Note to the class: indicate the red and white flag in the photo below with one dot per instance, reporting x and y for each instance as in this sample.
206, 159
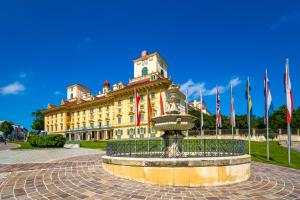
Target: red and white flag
232, 110
288, 93
137, 108
218, 117
162, 110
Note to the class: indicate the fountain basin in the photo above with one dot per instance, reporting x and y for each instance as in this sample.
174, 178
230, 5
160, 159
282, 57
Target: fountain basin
203, 171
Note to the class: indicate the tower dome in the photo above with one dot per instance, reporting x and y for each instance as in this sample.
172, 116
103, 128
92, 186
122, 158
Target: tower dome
106, 84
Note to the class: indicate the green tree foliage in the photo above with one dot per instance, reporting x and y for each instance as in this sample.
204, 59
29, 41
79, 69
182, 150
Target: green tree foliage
38, 122
6, 127
277, 120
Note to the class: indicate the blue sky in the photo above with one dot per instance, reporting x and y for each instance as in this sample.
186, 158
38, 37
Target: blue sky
48, 45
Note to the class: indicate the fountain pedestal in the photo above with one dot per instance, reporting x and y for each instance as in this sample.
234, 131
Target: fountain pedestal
173, 144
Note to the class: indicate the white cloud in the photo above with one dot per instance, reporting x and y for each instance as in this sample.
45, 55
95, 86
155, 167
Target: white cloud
195, 88
57, 93
13, 88
291, 17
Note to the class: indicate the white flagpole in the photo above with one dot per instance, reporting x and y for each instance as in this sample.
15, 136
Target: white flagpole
216, 112
201, 106
287, 104
267, 113
231, 111
187, 112
249, 123
135, 113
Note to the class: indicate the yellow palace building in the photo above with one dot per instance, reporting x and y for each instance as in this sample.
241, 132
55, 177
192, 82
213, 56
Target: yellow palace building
110, 113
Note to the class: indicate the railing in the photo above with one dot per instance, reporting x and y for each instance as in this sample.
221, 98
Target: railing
189, 148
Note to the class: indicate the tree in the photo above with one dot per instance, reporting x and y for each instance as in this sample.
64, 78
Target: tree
6, 127
38, 122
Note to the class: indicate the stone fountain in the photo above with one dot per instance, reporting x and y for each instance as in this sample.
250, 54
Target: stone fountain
173, 123
164, 161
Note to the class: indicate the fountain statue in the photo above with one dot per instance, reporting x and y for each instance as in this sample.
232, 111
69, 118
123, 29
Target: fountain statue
173, 123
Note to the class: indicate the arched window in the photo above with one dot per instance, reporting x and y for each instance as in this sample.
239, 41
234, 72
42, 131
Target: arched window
162, 73
144, 71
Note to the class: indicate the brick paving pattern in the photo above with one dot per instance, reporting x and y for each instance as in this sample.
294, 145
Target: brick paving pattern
82, 177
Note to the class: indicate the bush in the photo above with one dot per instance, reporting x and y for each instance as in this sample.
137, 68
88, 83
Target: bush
53, 140
272, 135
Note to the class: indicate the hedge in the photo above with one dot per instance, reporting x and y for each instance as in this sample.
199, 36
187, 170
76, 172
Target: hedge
53, 140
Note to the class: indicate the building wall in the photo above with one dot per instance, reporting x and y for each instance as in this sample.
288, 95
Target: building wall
117, 115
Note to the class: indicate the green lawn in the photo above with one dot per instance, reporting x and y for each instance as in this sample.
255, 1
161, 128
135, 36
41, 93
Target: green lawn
278, 154
93, 145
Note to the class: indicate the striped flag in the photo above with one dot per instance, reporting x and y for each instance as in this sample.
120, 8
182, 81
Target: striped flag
201, 109
137, 108
288, 92
218, 106
249, 100
161, 103
186, 102
268, 98
232, 110
150, 111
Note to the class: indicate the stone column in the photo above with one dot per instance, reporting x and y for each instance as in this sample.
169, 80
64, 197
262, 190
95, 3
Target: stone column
106, 134
88, 136
98, 135
70, 137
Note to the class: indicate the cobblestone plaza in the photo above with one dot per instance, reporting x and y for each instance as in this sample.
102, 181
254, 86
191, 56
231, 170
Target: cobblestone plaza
82, 177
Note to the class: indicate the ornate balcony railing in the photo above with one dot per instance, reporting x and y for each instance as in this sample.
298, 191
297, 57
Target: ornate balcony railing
190, 148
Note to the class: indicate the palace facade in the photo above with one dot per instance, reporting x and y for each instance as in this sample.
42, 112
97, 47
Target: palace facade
110, 113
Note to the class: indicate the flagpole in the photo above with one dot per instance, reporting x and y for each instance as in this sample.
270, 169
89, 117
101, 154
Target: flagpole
231, 96
216, 112
268, 151
135, 113
187, 112
289, 143
201, 114
148, 119
249, 124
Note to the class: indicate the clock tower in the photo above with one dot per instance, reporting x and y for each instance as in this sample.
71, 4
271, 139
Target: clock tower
149, 64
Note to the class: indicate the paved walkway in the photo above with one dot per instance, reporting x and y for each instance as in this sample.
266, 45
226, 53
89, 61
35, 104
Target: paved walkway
82, 177
7, 146
43, 155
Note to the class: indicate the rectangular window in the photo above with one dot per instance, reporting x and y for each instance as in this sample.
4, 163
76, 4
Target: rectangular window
131, 118
100, 124
107, 123
142, 97
131, 99
119, 102
119, 120
152, 95
142, 117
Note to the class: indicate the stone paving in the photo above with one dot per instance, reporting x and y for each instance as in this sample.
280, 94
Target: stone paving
82, 177
8, 146
43, 155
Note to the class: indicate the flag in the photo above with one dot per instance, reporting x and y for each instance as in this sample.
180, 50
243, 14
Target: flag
249, 100
288, 92
232, 110
201, 111
218, 117
186, 103
161, 103
150, 111
268, 98
137, 108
